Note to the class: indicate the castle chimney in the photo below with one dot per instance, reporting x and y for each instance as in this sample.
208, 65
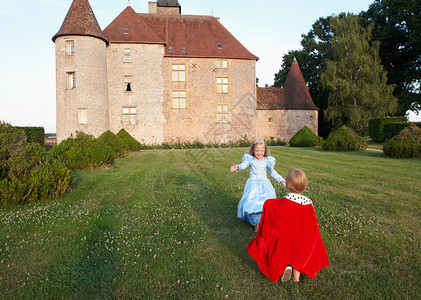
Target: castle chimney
153, 7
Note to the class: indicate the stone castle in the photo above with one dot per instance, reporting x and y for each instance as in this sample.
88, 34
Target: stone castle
165, 76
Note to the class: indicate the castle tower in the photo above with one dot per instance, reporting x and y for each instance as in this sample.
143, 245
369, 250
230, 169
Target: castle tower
301, 110
81, 73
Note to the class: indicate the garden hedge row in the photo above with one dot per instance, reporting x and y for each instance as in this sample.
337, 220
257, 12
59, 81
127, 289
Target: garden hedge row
34, 134
393, 129
376, 127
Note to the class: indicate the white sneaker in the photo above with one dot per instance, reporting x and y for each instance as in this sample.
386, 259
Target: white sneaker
287, 274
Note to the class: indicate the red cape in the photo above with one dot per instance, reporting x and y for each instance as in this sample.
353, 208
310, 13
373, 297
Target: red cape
288, 235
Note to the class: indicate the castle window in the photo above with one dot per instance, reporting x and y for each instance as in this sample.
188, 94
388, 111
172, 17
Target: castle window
169, 49
71, 80
127, 57
311, 118
270, 120
129, 116
219, 46
126, 31
183, 49
178, 99
128, 83
222, 63
178, 72
70, 47
222, 111
82, 116
188, 121
222, 85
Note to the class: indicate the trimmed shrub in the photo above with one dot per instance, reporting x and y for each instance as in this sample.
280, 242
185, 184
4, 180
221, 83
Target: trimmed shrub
344, 139
406, 144
111, 140
129, 141
27, 172
376, 127
393, 129
34, 134
277, 142
83, 152
305, 137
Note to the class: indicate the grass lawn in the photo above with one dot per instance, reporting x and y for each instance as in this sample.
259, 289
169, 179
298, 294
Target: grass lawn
162, 224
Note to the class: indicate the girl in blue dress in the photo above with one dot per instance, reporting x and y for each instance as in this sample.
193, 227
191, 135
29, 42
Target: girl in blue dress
258, 187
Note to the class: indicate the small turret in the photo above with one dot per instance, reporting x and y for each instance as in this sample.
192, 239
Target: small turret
81, 73
297, 95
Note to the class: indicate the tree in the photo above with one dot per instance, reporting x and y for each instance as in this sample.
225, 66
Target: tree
355, 78
397, 25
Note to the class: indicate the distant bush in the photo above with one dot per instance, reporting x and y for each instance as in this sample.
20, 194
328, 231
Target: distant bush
34, 134
344, 139
377, 127
393, 129
406, 144
305, 137
111, 140
129, 141
83, 152
27, 172
277, 142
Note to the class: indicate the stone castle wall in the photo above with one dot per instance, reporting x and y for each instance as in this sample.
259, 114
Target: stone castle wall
199, 119
146, 93
297, 119
275, 129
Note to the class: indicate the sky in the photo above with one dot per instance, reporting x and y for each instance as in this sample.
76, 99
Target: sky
267, 28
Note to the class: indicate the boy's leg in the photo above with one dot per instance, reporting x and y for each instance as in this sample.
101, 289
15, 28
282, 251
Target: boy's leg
296, 275
256, 227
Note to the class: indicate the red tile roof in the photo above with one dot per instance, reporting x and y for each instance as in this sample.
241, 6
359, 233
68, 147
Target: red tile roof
297, 95
80, 20
137, 29
199, 36
270, 98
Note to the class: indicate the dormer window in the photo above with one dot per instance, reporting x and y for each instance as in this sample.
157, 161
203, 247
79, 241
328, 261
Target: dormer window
169, 49
126, 31
183, 49
219, 46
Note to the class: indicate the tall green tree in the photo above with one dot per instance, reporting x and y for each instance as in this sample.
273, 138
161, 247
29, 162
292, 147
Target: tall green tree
355, 78
397, 25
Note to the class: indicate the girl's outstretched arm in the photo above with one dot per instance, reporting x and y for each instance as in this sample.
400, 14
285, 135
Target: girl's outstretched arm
234, 168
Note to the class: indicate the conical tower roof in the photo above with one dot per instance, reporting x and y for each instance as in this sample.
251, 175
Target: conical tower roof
80, 20
297, 95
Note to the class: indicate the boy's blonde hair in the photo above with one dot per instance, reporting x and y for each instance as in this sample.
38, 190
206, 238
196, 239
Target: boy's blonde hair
257, 142
296, 181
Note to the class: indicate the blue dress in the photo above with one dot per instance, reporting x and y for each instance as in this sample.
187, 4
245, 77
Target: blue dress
258, 187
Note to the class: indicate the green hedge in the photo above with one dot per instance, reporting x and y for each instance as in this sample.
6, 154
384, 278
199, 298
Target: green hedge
305, 137
393, 129
111, 140
34, 134
376, 127
129, 141
406, 144
27, 172
344, 139
83, 152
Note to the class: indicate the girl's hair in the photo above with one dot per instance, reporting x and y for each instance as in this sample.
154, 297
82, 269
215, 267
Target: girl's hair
257, 142
296, 181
